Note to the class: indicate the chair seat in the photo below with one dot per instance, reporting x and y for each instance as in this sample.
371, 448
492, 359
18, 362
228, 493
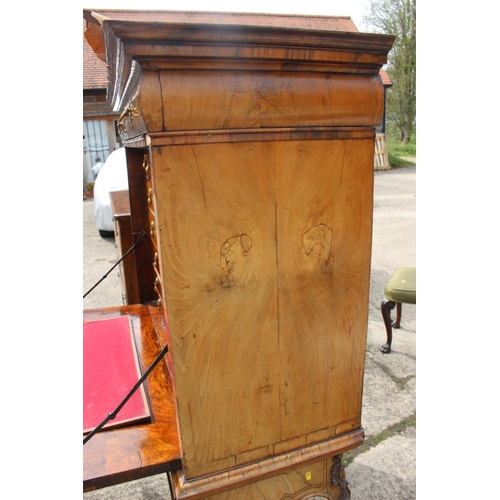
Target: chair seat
402, 287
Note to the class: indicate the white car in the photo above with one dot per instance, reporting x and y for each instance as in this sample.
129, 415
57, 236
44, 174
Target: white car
112, 177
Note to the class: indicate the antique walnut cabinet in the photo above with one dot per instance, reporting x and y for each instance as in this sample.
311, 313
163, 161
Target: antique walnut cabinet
250, 143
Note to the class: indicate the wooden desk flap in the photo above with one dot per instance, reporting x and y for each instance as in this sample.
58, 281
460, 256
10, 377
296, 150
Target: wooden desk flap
120, 455
110, 370
120, 203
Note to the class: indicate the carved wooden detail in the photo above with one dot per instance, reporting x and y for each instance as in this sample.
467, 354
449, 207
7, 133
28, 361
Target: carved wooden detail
338, 478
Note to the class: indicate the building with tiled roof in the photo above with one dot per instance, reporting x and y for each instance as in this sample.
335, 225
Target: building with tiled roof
95, 73
99, 122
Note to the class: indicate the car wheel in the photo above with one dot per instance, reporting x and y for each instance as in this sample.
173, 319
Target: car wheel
106, 234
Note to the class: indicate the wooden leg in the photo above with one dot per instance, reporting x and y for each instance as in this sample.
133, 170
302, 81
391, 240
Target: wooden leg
397, 323
386, 307
338, 480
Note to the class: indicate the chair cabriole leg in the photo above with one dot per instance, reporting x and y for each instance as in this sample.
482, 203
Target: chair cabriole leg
397, 323
386, 307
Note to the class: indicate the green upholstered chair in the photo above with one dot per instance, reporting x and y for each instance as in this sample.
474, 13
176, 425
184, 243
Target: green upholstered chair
401, 289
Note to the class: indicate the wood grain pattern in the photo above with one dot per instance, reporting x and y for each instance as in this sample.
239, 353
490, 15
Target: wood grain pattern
324, 197
266, 259
199, 100
119, 455
149, 101
219, 250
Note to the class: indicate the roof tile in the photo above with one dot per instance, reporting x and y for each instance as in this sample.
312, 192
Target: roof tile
95, 71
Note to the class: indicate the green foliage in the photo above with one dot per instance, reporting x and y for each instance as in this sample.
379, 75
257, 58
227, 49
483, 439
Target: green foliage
398, 18
382, 436
371, 442
397, 151
396, 161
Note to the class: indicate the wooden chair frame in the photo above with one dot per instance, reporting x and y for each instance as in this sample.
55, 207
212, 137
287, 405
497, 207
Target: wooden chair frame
386, 307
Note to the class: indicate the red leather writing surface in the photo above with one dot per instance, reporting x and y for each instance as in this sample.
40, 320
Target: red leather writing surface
110, 370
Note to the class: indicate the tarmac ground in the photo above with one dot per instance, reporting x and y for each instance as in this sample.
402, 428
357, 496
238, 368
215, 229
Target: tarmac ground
384, 467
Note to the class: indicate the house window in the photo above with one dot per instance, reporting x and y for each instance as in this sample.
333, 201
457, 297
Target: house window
95, 144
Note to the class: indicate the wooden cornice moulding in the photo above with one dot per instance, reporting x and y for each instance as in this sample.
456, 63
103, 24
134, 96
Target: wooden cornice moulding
160, 139
214, 28
239, 476
223, 40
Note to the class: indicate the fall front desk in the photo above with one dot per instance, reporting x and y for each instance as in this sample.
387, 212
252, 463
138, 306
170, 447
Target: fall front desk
250, 142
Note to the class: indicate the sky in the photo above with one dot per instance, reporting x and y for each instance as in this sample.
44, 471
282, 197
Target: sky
352, 8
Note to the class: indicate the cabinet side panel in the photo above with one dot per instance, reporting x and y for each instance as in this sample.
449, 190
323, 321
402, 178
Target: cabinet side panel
324, 220
216, 214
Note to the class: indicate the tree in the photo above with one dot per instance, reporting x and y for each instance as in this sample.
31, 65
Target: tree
398, 17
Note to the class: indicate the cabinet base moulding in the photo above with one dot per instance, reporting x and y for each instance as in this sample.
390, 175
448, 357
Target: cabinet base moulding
276, 469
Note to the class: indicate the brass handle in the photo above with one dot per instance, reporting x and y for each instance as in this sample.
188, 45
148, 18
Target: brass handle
145, 163
129, 111
158, 303
152, 230
155, 259
150, 194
